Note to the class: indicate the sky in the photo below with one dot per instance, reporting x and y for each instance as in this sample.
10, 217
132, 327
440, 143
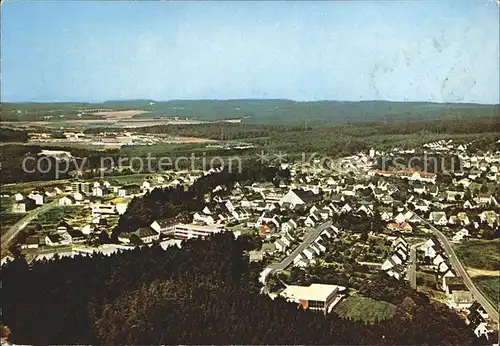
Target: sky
94, 51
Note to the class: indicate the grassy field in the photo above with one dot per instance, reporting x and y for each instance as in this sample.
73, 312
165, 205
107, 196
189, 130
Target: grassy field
480, 254
50, 219
364, 309
490, 286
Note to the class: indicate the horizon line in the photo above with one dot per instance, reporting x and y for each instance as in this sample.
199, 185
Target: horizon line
240, 99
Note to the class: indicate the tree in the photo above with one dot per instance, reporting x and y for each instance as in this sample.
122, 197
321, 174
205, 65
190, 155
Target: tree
135, 240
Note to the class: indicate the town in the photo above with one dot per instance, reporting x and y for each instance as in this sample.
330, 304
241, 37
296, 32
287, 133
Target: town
322, 232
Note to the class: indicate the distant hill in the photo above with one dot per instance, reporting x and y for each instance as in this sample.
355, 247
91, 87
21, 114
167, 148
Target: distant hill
263, 111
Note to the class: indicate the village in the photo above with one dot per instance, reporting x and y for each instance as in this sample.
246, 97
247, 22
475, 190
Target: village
365, 220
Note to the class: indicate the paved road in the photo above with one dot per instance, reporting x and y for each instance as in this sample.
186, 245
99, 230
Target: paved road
412, 269
8, 236
457, 265
308, 239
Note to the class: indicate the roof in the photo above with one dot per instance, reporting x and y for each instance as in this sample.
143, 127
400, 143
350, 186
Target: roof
55, 238
462, 297
319, 292
307, 196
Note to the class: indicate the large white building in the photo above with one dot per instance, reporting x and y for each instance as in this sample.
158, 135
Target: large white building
188, 231
319, 297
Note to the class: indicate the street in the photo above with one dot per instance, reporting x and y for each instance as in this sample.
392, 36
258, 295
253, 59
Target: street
310, 237
8, 236
457, 265
412, 267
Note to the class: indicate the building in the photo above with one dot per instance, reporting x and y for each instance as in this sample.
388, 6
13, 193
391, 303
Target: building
319, 297
188, 231
461, 300
23, 205
145, 234
297, 196
99, 209
67, 200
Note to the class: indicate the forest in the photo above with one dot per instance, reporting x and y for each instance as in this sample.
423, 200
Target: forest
205, 293
10, 135
262, 111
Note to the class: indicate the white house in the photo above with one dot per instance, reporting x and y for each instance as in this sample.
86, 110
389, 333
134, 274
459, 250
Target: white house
288, 226
38, 198
66, 200
438, 218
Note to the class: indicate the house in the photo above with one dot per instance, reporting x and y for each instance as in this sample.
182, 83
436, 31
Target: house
280, 245
76, 235
477, 320
38, 198
311, 220
438, 259
451, 284
67, 200
459, 235
443, 267
386, 215
397, 272
301, 261
58, 239
488, 216
23, 205
97, 191
162, 226
421, 205
146, 185
438, 218
430, 248
31, 242
145, 234
298, 196
288, 226
287, 239
388, 264
18, 197
346, 208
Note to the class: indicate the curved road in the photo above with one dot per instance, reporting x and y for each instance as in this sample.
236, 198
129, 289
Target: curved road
308, 239
457, 265
8, 236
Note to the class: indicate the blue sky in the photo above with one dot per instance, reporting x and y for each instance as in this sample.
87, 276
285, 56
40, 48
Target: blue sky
96, 51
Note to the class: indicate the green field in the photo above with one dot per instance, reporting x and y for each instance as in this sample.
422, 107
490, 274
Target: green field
364, 309
489, 286
51, 218
480, 254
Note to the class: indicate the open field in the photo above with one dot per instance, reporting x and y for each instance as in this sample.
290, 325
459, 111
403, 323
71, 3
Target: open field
364, 309
474, 272
118, 114
490, 286
480, 254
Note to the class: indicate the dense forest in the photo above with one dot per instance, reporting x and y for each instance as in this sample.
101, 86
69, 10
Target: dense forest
10, 135
204, 293
262, 111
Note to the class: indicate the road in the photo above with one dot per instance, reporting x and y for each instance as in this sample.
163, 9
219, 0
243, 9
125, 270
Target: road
308, 239
457, 265
8, 236
412, 268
